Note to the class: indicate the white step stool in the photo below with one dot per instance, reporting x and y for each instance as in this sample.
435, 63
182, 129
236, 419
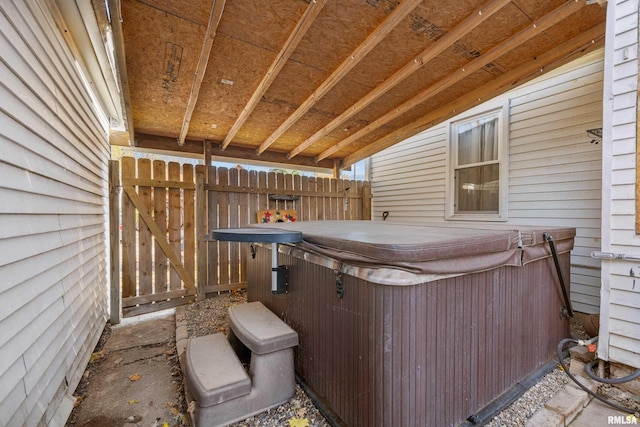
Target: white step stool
223, 391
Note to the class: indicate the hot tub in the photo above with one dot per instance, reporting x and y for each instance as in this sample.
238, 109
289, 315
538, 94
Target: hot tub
416, 324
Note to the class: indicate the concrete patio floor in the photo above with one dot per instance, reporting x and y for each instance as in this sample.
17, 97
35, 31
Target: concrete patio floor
132, 381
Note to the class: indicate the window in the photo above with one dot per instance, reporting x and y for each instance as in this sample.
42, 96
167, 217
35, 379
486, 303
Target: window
477, 171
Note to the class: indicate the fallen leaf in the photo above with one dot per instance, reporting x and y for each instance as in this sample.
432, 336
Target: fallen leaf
135, 377
133, 401
298, 422
165, 424
78, 401
96, 356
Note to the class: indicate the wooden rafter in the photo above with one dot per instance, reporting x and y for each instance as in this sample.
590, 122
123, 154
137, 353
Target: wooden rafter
464, 27
303, 25
214, 19
561, 54
398, 14
519, 38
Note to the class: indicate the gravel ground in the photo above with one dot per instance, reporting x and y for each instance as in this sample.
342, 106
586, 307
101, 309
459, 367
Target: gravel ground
533, 399
211, 316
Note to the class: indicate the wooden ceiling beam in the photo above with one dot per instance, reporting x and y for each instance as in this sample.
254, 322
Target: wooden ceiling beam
232, 153
372, 40
543, 24
464, 27
303, 25
217, 8
560, 55
121, 67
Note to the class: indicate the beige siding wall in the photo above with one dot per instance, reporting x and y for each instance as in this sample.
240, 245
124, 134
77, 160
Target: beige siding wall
620, 313
554, 169
53, 187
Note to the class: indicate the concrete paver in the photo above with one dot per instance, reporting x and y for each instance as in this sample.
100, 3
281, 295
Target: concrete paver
131, 384
597, 414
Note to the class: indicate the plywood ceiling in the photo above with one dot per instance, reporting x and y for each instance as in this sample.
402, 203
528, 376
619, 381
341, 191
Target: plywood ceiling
327, 82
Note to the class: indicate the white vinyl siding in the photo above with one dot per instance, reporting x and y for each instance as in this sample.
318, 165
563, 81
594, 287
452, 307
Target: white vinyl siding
554, 171
620, 312
53, 186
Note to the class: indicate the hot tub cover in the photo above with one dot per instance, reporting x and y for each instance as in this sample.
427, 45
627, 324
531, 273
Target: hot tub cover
427, 248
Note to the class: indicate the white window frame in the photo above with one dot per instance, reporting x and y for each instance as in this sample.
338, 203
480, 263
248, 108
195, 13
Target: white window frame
503, 169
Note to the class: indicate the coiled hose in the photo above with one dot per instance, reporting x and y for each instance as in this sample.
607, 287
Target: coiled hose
561, 345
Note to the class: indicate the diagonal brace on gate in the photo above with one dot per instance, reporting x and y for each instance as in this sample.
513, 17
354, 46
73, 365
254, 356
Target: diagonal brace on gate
160, 237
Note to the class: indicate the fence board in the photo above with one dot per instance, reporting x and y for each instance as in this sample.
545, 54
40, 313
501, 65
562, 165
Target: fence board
254, 204
271, 183
338, 206
313, 200
288, 185
279, 185
297, 185
145, 268
245, 219
188, 221
129, 243
263, 201
175, 220
223, 222
201, 220
213, 260
327, 212
160, 216
115, 296
234, 212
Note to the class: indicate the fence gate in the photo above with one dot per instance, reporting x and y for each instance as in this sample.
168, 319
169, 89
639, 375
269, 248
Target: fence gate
157, 235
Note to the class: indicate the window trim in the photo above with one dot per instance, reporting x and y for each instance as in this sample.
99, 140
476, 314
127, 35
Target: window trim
501, 113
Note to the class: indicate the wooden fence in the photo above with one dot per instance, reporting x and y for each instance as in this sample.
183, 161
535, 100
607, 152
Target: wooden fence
167, 210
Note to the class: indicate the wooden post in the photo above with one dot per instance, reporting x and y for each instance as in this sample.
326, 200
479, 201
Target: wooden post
114, 242
201, 232
336, 168
366, 201
207, 159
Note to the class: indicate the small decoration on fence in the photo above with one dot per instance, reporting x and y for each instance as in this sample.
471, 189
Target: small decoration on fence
276, 215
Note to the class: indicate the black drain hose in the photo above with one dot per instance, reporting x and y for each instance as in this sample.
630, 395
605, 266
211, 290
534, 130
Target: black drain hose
597, 396
554, 252
593, 376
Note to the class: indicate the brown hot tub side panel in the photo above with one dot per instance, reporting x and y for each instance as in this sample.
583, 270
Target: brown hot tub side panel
429, 354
